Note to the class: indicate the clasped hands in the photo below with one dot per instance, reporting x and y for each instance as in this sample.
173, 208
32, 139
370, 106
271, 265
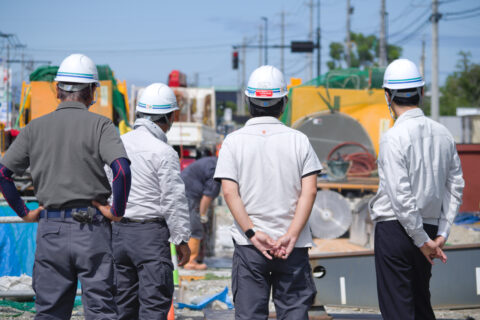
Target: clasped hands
280, 248
433, 249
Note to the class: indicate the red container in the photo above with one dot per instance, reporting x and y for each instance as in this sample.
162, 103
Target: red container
470, 158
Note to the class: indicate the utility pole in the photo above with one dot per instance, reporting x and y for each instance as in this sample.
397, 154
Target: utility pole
265, 19
260, 46
310, 37
241, 106
422, 59
383, 42
282, 29
319, 46
9, 79
348, 34
435, 96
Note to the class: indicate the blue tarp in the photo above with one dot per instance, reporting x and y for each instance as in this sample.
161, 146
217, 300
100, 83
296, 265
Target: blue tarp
17, 244
222, 296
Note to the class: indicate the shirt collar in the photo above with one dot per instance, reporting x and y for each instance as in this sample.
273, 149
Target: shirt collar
71, 105
412, 113
154, 129
262, 120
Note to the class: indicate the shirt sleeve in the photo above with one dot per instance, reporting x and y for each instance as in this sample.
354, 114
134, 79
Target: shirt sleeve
17, 157
212, 187
111, 146
120, 186
173, 199
452, 198
10, 192
393, 167
226, 164
311, 164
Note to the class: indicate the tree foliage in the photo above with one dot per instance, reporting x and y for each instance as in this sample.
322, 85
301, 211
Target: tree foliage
364, 53
462, 88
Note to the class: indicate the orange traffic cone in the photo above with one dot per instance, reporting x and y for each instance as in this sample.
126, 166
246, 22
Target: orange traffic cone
171, 313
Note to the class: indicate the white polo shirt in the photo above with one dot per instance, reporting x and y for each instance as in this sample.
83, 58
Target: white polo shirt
268, 160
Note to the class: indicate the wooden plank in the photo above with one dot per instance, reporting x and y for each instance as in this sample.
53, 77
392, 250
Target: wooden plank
362, 184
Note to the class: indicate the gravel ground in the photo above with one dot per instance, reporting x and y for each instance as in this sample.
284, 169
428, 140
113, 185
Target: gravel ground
216, 279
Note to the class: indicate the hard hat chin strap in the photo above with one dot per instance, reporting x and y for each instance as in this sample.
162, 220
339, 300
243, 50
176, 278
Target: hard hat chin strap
389, 103
94, 97
168, 122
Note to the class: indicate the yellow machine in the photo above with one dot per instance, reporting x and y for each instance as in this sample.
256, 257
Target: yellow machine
367, 106
40, 97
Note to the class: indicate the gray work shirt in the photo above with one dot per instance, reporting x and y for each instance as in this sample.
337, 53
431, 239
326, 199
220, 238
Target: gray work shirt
66, 151
198, 178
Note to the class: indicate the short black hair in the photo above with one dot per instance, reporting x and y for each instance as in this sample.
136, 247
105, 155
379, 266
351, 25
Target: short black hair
157, 118
82, 95
273, 111
403, 102
163, 120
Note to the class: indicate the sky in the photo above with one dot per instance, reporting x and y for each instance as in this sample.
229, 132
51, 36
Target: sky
143, 41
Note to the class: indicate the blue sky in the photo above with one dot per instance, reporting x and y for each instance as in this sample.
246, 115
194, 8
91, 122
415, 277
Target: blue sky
144, 40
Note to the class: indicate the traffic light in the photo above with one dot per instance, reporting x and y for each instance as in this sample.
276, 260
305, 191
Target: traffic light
235, 60
302, 46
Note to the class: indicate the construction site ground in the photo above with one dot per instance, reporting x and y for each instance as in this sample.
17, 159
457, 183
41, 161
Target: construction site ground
198, 284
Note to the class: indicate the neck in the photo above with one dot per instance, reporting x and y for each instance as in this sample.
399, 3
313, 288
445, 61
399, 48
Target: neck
86, 103
163, 126
401, 110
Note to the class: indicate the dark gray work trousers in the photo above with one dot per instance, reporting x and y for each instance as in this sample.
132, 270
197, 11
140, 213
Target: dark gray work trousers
291, 282
403, 273
68, 251
143, 270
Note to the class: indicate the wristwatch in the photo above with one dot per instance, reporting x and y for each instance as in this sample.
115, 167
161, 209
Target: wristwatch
250, 233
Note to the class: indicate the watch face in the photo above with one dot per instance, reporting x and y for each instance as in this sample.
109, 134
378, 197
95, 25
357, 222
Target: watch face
249, 233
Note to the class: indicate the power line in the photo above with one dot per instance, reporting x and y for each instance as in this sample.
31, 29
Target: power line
463, 17
409, 36
462, 12
447, 1
412, 23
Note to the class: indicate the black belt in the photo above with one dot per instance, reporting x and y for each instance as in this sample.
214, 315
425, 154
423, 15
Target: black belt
84, 215
128, 220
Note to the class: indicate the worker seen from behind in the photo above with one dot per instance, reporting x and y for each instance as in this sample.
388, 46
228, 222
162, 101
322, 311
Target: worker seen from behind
269, 181
156, 214
200, 189
66, 151
420, 192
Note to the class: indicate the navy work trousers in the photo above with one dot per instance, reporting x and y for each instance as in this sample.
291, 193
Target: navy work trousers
68, 251
291, 282
143, 270
403, 273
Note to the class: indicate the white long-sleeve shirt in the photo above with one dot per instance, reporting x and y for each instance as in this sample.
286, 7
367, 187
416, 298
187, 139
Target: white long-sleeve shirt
157, 189
420, 176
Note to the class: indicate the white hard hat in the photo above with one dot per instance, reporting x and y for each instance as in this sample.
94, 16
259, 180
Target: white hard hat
157, 98
266, 82
77, 68
402, 74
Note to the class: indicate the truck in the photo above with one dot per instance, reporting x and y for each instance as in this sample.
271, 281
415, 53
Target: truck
193, 134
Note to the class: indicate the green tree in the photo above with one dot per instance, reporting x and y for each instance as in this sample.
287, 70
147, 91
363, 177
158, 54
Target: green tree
364, 52
462, 87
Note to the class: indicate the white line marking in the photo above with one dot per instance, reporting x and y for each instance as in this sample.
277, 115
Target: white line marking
343, 295
477, 278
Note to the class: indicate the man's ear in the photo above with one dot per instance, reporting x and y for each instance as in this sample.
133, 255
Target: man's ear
388, 96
